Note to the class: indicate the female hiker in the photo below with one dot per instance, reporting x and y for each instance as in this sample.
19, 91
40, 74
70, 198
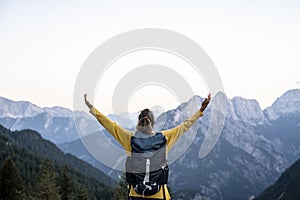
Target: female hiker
146, 164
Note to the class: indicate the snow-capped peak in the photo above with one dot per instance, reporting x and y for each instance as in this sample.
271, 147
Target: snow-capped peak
18, 109
287, 104
21, 109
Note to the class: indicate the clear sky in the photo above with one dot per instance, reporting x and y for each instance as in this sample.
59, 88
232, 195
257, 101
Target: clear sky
255, 45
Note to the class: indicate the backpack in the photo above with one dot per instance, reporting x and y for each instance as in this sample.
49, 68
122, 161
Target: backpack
147, 169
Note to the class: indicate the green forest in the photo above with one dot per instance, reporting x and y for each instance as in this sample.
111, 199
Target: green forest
34, 168
287, 187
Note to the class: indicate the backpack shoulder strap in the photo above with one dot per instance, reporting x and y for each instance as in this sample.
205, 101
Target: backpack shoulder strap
129, 188
164, 192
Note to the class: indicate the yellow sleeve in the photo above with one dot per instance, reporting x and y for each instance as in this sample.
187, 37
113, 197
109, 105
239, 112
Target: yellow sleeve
120, 134
174, 134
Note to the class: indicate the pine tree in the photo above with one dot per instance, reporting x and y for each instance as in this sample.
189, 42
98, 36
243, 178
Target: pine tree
66, 184
46, 186
21, 195
82, 193
11, 186
121, 191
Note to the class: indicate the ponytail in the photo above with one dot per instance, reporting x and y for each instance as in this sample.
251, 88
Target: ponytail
145, 121
146, 117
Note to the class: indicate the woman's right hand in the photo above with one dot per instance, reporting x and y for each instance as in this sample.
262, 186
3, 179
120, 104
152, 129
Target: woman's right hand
87, 102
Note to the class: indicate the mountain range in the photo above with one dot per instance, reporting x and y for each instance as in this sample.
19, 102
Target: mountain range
55, 124
254, 148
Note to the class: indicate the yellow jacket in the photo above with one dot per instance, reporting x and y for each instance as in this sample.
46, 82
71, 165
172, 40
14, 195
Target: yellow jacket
123, 136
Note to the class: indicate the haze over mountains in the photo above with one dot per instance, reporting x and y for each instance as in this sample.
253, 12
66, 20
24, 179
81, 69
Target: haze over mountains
255, 146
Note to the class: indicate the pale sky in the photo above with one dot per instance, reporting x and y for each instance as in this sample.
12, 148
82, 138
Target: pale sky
255, 45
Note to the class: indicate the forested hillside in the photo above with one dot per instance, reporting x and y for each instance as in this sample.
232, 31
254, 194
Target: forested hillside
30, 165
286, 187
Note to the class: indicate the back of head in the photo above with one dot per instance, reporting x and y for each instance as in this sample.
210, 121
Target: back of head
146, 117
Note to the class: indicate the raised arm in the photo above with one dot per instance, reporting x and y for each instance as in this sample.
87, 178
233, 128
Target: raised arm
119, 133
174, 134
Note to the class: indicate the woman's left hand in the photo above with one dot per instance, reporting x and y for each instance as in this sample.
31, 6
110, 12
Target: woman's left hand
205, 103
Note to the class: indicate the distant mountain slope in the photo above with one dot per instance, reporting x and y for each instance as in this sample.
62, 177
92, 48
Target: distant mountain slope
287, 187
54, 128
28, 149
55, 124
